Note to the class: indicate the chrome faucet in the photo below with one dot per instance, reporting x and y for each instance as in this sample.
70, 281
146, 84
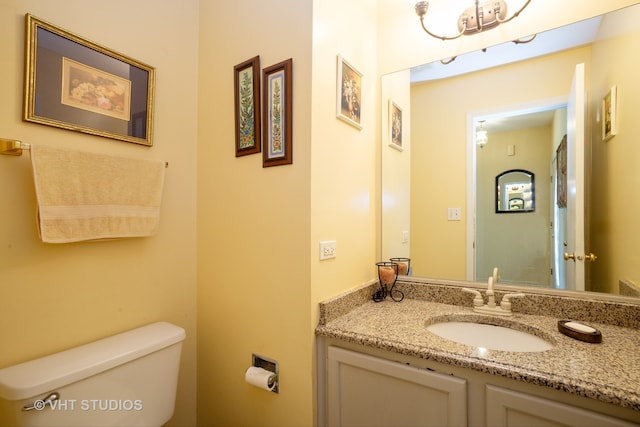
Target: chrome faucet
479, 306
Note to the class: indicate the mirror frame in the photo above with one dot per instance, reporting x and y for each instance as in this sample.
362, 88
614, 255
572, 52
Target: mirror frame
532, 181
547, 291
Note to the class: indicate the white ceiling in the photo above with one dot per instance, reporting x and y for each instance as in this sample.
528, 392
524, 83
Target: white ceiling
567, 37
523, 121
570, 36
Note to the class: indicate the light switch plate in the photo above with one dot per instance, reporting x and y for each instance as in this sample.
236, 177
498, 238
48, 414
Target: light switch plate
454, 214
328, 249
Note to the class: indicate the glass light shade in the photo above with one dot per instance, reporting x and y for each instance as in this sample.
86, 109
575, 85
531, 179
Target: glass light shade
481, 138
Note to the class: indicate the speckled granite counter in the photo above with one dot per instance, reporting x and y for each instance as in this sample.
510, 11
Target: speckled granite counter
608, 372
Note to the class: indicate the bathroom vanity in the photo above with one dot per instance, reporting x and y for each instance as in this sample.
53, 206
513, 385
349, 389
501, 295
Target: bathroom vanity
379, 365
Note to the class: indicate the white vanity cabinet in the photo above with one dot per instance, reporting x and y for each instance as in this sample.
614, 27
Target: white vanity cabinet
369, 391
361, 386
508, 408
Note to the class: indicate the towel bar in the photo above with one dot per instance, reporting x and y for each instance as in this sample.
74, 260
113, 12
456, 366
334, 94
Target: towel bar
13, 147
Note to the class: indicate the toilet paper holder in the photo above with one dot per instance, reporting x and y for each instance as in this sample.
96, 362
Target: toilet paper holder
269, 365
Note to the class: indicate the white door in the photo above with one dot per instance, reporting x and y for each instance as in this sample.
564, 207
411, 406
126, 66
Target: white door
575, 234
558, 223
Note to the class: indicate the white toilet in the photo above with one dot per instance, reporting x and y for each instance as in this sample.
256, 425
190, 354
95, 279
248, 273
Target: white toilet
127, 379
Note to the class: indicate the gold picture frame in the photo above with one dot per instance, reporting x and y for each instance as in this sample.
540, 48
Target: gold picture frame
75, 84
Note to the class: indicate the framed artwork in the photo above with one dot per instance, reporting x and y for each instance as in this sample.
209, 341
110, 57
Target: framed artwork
610, 114
395, 126
75, 84
247, 106
561, 173
349, 97
277, 127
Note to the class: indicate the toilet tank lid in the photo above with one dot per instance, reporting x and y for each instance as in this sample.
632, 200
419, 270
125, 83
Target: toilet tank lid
47, 373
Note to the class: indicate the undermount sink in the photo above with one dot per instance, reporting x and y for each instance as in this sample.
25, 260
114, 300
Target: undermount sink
490, 337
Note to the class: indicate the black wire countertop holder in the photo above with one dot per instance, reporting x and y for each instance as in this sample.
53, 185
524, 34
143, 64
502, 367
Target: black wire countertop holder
387, 277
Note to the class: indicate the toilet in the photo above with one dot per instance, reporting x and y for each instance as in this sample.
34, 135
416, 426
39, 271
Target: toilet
127, 379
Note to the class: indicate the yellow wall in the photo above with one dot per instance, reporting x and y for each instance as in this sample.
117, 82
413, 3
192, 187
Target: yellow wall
614, 222
53, 297
438, 161
253, 224
251, 246
260, 278
345, 163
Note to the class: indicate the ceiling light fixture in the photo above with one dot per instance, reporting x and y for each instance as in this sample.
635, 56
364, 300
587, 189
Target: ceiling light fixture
474, 19
481, 136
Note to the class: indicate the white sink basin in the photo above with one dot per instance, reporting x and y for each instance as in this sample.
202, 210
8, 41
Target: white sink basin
490, 337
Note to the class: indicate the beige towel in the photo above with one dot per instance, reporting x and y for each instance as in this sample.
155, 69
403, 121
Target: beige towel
88, 196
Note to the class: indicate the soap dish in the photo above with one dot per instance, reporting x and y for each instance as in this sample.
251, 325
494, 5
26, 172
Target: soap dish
579, 331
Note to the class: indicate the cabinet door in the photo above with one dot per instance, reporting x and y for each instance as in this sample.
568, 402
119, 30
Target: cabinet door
368, 391
514, 409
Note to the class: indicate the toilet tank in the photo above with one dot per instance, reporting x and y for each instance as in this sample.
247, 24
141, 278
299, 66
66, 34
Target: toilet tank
127, 379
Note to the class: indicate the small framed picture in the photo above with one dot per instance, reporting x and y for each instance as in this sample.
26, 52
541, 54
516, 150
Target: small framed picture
395, 126
277, 114
349, 96
610, 114
247, 106
561, 173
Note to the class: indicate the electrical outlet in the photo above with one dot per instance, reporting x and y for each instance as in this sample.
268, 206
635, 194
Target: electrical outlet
327, 249
454, 214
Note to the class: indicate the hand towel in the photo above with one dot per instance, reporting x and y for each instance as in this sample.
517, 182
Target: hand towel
89, 196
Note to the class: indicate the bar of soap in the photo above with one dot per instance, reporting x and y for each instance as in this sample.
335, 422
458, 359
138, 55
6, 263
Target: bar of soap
579, 331
580, 327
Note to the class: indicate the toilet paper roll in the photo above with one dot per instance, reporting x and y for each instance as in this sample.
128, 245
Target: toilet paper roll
260, 378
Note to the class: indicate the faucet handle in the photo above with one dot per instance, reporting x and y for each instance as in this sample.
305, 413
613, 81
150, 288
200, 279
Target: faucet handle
505, 303
477, 297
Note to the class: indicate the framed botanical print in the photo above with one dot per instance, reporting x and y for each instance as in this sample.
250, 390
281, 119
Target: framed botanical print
247, 106
277, 114
561, 173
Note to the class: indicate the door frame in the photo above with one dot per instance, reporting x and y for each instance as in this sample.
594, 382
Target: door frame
472, 117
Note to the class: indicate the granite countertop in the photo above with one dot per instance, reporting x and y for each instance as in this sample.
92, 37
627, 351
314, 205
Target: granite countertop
608, 371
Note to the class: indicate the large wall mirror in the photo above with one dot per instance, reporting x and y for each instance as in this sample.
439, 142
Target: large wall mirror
526, 114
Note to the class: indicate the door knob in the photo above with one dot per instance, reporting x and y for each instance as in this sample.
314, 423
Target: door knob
590, 257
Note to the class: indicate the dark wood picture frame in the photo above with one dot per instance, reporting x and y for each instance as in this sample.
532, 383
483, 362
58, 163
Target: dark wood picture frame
75, 84
277, 126
247, 106
561, 173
